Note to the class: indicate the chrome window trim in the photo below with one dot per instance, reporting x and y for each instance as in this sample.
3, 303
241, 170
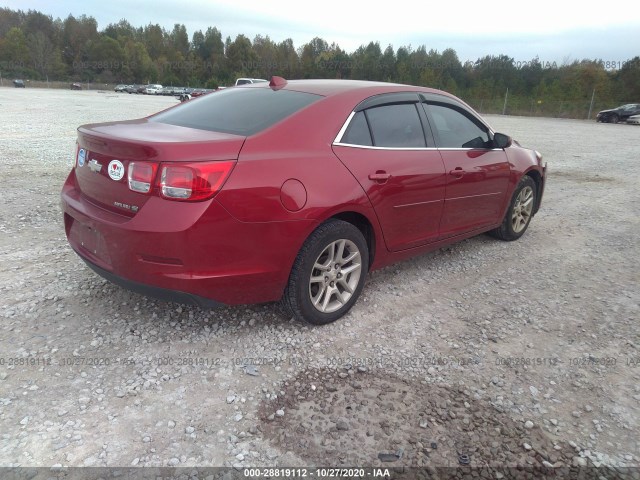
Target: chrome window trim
350, 145
344, 128
464, 149
337, 141
368, 147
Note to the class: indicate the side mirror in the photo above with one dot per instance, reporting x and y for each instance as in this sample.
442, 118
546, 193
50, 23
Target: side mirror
500, 140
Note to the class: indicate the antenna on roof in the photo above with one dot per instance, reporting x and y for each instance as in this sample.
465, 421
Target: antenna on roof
277, 83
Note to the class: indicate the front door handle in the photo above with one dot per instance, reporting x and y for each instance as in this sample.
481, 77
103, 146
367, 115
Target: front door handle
457, 172
380, 176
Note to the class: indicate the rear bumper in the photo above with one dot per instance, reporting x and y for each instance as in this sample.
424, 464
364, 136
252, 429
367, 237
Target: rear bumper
188, 252
155, 292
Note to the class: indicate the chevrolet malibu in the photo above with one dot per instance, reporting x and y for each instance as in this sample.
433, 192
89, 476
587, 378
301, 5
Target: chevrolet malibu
291, 191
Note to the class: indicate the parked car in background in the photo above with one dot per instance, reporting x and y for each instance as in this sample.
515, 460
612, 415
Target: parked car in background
76, 86
18, 83
619, 114
121, 88
153, 89
167, 91
198, 92
246, 81
291, 191
634, 120
185, 94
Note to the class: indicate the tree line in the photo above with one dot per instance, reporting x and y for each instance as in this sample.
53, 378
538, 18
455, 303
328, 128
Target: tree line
36, 46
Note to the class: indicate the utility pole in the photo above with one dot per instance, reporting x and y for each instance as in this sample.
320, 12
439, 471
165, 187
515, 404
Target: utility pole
593, 94
504, 108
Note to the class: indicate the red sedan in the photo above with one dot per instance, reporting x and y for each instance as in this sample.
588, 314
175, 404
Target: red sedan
291, 191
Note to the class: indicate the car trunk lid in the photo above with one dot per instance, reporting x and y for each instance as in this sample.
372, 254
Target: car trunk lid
109, 149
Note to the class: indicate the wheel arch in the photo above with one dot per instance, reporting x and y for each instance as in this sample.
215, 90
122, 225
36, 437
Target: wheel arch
537, 179
362, 223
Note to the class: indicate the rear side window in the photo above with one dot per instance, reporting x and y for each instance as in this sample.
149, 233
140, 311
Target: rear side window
358, 131
396, 126
239, 111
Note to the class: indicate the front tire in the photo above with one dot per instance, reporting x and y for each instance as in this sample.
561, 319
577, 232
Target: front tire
520, 211
614, 118
328, 274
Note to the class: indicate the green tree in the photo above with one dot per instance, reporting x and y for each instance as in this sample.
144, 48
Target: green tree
241, 56
626, 81
139, 63
266, 57
287, 59
107, 58
388, 64
15, 49
197, 44
8, 20
179, 40
213, 57
367, 62
41, 52
77, 36
154, 40
122, 31
309, 57
403, 65
37, 22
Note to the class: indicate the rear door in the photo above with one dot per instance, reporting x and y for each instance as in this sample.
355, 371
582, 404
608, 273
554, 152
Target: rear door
477, 173
392, 155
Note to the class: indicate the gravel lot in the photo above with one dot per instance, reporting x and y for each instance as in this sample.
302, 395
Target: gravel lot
487, 353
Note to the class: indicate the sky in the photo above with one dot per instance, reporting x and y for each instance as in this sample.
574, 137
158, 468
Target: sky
548, 29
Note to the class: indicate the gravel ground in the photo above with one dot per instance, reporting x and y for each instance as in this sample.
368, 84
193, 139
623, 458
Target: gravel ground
484, 353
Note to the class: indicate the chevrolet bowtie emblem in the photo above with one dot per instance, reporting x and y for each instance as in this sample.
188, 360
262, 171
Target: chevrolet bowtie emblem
94, 166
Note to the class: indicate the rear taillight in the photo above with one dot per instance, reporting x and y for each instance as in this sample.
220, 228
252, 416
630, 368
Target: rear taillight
141, 175
179, 181
193, 181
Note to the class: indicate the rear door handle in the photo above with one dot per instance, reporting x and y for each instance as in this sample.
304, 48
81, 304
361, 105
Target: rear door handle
380, 176
457, 172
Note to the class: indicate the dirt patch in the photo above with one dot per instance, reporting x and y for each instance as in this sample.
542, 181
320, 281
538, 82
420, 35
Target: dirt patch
359, 417
581, 177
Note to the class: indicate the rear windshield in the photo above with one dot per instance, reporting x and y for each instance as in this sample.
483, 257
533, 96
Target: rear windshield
239, 111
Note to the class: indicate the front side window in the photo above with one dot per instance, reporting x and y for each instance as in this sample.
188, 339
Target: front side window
456, 130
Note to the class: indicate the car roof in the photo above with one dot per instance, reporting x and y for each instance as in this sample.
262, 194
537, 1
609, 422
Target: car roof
329, 88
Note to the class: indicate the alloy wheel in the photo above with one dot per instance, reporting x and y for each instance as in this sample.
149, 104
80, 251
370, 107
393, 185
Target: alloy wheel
335, 275
522, 209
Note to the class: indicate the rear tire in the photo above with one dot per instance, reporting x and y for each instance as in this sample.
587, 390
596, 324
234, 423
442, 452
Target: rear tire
328, 274
520, 211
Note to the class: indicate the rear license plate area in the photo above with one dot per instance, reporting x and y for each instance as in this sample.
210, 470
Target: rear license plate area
90, 241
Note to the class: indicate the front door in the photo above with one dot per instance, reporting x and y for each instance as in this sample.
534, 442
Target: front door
477, 173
